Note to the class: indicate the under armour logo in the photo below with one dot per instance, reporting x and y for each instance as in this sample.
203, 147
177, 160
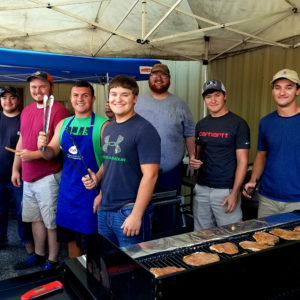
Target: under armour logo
115, 144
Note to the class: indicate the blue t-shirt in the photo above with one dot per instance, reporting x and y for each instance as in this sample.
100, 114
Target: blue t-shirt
126, 146
280, 137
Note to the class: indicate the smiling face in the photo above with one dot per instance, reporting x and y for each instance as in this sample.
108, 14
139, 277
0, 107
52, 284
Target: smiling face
9, 103
216, 103
39, 88
121, 102
285, 92
159, 82
82, 101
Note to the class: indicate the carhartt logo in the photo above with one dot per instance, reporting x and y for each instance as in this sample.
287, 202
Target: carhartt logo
115, 144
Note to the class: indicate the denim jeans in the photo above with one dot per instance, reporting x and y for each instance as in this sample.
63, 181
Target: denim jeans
8, 191
110, 222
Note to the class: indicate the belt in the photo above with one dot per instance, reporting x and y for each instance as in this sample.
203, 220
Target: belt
127, 204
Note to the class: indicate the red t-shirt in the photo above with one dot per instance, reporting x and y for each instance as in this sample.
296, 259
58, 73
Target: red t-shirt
31, 125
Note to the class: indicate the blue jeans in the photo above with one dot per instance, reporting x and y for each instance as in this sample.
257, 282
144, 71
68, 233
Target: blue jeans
110, 222
8, 191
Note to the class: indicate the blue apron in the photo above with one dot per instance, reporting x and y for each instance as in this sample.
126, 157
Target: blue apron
75, 202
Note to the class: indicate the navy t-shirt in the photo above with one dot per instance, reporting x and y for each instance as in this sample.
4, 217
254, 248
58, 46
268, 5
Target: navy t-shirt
280, 137
219, 138
9, 136
126, 146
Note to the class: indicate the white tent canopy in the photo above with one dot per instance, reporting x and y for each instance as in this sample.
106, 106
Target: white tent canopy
169, 29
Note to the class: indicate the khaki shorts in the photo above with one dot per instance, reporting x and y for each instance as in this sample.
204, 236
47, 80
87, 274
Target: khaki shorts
268, 207
40, 200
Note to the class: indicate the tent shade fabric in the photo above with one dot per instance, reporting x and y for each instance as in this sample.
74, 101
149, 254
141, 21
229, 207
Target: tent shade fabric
17, 65
164, 29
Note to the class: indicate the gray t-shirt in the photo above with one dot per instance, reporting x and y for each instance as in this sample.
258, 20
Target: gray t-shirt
173, 121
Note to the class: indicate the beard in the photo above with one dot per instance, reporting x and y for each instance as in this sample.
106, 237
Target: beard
161, 89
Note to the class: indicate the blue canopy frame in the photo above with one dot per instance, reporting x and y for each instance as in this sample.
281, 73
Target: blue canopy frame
17, 65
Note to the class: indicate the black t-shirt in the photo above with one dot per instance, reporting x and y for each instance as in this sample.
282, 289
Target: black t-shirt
9, 135
219, 137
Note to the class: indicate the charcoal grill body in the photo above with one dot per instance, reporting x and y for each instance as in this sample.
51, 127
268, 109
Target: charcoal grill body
268, 274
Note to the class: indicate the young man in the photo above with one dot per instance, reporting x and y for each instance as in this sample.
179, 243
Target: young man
79, 139
9, 135
277, 161
40, 177
173, 120
224, 142
131, 156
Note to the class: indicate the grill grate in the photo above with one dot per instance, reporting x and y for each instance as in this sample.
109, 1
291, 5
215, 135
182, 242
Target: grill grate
174, 257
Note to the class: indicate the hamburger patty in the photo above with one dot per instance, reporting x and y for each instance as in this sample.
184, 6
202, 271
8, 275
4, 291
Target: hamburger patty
200, 258
253, 246
164, 271
228, 248
297, 228
265, 238
286, 234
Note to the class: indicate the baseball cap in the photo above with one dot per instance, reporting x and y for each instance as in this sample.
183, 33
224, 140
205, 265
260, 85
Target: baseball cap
160, 67
41, 75
287, 74
9, 89
213, 85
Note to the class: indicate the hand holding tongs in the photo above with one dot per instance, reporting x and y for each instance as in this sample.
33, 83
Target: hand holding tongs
46, 119
81, 159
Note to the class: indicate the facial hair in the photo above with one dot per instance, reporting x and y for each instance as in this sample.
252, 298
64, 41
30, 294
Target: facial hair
159, 90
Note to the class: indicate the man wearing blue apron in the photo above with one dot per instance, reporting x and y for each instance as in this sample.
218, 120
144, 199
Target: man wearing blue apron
78, 138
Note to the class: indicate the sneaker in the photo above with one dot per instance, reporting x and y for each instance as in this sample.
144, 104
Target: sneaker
49, 265
31, 261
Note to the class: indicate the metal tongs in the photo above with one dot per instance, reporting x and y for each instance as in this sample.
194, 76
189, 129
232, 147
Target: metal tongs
46, 119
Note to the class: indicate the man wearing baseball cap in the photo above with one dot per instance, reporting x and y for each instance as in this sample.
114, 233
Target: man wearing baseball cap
40, 177
174, 122
223, 140
277, 163
9, 135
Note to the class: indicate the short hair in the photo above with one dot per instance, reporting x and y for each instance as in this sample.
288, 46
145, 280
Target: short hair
125, 82
83, 83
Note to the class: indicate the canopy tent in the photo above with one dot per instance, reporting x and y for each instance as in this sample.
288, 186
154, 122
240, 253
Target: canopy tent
17, 65
166, 29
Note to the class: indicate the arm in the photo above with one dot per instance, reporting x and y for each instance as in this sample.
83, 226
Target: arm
24, 155
190, 145
17, 164
91, 180
231, 200
132, 224
258, 169
53, 148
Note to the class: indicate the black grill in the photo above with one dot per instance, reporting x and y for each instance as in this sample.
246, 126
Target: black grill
174, 258
247, 275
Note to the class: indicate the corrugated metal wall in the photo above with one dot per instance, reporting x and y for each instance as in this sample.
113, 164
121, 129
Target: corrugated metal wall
247, 80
